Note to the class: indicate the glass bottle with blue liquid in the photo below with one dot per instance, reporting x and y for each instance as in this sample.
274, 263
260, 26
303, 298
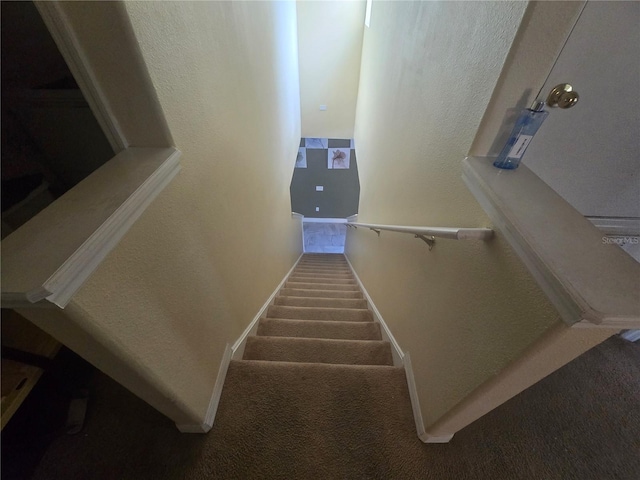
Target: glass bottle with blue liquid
523, 131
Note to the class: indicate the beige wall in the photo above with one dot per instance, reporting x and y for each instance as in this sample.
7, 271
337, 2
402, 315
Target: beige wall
197, 266
466, 309
329, 43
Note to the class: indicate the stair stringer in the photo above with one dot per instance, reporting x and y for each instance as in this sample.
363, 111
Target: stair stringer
233, 352
238, 347
403, 359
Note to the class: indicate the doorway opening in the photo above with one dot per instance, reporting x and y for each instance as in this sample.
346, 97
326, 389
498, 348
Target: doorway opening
50, 138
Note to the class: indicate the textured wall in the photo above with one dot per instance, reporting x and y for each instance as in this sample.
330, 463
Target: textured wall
196, 267
330, 43
465, 309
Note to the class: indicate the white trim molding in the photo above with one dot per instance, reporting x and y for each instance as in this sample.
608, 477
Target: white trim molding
52, 255
398, 354
215, 397
237, 350
299, 216
433, 439
401, 359
617, 226
415, 406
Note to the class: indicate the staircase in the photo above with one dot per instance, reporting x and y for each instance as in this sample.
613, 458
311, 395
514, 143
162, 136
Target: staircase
320, 317
316, 394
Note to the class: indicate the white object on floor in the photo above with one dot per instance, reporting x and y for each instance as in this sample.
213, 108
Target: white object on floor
631, 335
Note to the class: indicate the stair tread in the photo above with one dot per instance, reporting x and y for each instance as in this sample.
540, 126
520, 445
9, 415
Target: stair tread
328, 271
344, 265
319, 350
341, 281
286, 327
323, 265
324, 341
322, 273
324, 322
279, 365
320, 313
323, 262
323, 286
301, 292
327, 308
358, 303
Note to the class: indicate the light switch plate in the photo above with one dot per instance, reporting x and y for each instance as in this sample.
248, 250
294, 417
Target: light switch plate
323, 107
319, 188
317, 209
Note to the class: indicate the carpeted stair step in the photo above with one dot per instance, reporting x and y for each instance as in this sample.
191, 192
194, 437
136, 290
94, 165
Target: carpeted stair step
318, 350
337, 270
281, 327
299, 273
324, 271
332, 273
318, 313
323, 262
321, 302
322, 280
339, 266
298, 292
323, 258
322, 286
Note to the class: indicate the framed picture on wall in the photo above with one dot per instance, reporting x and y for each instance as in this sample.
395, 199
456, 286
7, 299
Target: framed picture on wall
338, 158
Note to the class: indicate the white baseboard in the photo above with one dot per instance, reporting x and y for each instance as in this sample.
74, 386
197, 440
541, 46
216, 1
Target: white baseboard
215, 397
396, 351
415, 406
413, 395
431, 439
238, 347
401, 358
301, 217
234, 352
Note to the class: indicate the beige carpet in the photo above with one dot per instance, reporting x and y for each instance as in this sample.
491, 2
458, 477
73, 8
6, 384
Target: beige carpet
305, 328
317, 397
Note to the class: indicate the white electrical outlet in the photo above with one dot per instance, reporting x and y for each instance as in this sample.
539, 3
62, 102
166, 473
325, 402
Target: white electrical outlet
317, 209
323, 107
319, 188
